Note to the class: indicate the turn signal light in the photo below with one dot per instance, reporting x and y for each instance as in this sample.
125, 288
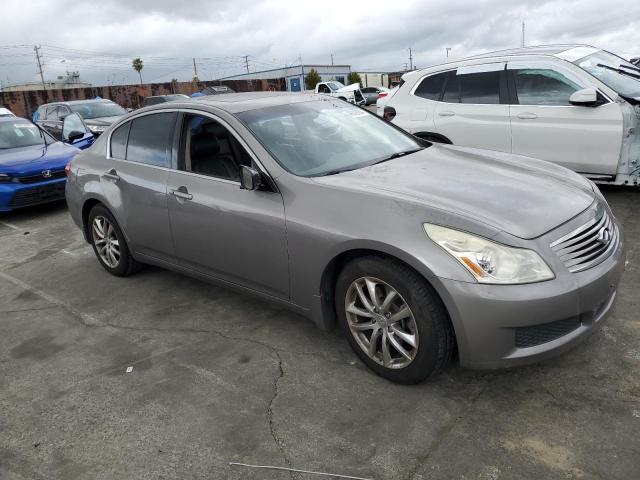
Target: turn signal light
67, 169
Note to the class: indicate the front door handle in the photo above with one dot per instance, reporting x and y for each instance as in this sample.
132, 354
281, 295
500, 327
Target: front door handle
447, 113
527, 116
182, 192
111, 175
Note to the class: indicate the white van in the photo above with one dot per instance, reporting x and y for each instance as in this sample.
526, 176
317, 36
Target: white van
573, 105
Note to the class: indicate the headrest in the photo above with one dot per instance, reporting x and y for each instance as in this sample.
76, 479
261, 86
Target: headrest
204, 143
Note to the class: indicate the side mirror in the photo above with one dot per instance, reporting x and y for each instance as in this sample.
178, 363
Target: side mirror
74, 136
587, 97
250, 178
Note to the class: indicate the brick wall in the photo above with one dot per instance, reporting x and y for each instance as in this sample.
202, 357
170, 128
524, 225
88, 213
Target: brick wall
23, 104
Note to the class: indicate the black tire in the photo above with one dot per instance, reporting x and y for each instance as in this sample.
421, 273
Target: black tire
436, 338
126, 265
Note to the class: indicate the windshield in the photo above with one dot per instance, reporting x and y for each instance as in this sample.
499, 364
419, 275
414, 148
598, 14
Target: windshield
335, 85
623, 84
325, 136
20, 134
98, 109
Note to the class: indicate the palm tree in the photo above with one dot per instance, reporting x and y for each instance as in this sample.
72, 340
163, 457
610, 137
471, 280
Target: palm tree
138, 66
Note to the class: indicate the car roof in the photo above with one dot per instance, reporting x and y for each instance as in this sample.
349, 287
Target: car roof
538, 50
77, 102
242, 102
14, 119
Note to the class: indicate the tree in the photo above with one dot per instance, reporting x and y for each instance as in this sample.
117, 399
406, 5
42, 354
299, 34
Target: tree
312, 79
353, 77
138, 65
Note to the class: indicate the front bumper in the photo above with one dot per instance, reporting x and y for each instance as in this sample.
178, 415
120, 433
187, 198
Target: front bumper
16, 195
493, 322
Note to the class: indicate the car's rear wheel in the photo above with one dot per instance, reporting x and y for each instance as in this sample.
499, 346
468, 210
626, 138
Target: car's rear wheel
109, 243
393, 319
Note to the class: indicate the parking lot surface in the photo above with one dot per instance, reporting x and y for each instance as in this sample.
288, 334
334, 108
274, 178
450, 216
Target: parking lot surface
221, 377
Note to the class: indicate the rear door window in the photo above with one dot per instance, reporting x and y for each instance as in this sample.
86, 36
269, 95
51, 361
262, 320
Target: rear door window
482, 88
431, 86
151, 138
543, 87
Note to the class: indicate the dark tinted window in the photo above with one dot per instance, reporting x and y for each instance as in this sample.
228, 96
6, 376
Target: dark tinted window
150, 139
543, 87
119, 141
153, 101
431, 87
208, 148
452, 89
479, 88
483, 88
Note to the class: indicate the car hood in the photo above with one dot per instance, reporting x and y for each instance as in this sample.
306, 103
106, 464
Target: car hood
103, 121
519, 195
25, 159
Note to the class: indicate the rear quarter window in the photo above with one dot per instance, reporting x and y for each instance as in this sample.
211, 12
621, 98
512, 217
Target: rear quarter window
119, 141
431, 87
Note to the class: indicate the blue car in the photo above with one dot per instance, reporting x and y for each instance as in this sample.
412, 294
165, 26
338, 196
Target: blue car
32, 162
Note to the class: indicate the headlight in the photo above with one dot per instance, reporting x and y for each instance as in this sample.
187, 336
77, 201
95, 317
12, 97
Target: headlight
97, 128
490, 262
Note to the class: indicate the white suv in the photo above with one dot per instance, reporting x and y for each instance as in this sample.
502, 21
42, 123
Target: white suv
573, 105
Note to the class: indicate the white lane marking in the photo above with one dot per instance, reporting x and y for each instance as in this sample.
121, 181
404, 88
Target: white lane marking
86, 319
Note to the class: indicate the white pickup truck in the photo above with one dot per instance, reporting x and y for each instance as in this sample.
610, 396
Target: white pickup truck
350, 93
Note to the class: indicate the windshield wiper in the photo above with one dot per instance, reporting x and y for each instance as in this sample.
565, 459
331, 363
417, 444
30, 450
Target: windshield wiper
385, 159
397, 155
635, 69
619, 70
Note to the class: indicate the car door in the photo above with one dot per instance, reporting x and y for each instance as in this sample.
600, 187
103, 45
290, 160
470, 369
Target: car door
474, 110
135, 181
219, 229
51, 123
545, 125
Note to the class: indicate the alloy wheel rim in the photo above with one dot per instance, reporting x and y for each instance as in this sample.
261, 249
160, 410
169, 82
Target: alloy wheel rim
106, 241
381, 322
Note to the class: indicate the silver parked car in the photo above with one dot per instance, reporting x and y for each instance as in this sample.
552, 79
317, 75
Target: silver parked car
414, 248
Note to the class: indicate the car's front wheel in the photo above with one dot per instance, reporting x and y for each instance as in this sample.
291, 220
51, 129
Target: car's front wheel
109, 243
393, 319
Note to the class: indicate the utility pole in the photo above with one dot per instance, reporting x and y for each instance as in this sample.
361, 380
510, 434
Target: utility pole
195, 70
246, 62
523, 34
405, 66
410, 60
332, 59
37, 50
448, 49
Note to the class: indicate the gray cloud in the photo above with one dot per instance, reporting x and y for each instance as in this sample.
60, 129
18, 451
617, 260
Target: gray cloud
369, 35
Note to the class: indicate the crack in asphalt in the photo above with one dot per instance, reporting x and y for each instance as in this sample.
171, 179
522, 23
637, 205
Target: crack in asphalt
89, 321
444, 433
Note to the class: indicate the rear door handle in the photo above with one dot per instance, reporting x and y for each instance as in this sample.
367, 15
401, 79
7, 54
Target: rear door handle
446, 113
527, 116
111, 175
181, 192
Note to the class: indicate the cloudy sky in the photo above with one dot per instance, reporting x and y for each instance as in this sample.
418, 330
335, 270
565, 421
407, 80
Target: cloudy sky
101, 38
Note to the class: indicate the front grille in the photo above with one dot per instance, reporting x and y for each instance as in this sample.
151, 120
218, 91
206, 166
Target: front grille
589, 244
40, 177
40, 194
539, 334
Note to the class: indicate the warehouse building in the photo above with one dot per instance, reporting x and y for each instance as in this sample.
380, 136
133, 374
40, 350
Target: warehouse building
294, 76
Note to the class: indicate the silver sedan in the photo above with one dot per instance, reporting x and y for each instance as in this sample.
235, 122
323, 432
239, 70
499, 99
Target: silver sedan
415, 249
